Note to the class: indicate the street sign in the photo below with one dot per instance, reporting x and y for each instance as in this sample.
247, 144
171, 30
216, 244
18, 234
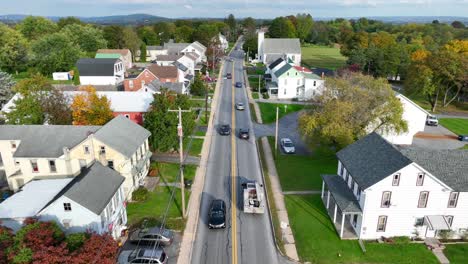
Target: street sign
180, 132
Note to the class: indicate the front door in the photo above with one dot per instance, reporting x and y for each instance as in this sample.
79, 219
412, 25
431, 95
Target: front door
431, 233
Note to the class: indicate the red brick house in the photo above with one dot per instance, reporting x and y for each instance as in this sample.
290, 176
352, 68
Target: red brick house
165, 74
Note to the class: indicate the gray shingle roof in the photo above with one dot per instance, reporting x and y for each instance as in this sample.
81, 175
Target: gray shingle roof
371, 159
45, 140
343, 196
94, 187
282, 70
449, 166
168, 57
281, 46
157, 85
154, 47
122, 135
96, 67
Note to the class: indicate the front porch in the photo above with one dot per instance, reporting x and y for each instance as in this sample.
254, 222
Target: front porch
341, 205
272, 88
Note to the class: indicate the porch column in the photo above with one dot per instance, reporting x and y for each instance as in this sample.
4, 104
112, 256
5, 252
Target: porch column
334, 215
342, 224
328, 199
323, 188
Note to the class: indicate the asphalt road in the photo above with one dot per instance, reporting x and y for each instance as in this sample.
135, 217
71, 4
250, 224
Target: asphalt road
253, 236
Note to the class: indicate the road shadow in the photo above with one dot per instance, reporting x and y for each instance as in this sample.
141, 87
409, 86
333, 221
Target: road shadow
205, 203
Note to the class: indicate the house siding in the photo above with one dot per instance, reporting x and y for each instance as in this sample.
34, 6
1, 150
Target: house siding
145, 76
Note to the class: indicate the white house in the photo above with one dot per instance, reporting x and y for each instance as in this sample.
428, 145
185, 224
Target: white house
35, 152
125, 56
153, 51
93, 200
270, 49
223, 42
381, 190
101, 71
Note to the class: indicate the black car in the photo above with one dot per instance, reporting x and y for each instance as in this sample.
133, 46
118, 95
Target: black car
238, 85
244, 133
463, 137
228, 75
217, 214
224, 130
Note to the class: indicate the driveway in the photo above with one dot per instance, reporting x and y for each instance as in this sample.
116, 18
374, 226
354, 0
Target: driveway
437, 137
288, 127
172, 251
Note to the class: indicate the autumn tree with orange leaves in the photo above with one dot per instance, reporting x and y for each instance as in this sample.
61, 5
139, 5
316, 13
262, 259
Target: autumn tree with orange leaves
88, 108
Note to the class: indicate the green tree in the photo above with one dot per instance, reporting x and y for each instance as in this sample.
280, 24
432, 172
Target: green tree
205, 33
250, 45
13, 49
148, 36
165, 31
55, 52
87, 37
184, 34
457, 24
33, 27
249, 25
304, 24
6, 87
163, 124
143, 52
114, 36
131, 40
351, 107
27, 111
65, 21
198, 87
232, 26
282, 27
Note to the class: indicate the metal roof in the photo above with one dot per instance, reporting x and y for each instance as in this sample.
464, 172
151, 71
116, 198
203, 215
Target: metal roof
96, 67
282, 70
107, 56
275, 63
341, 193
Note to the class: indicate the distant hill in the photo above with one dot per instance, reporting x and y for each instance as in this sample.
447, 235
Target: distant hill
408, 19
134, 19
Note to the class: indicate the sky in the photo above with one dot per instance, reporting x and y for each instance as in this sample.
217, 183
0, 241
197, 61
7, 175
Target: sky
240, 8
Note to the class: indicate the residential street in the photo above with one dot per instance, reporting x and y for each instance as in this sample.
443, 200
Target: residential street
253, 237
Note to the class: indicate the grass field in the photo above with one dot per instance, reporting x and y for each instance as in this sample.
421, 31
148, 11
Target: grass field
268, 111
318, 242
300, 173
315, 56
195, 148
168, 171
458, 126
457, 253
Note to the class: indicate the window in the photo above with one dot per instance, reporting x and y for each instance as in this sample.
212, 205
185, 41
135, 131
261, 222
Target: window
386, 196
66, 223
358, 193
86, 149
423, 197
449, 219
315, 82
341, 169
285, 91
420, 180
355, 217
67, 207
13, 144
127, 116
52, 166
34, 166
453, 200
419, 221
110, 164
381, 223
130, 84
102, 150
396, 180
285, 81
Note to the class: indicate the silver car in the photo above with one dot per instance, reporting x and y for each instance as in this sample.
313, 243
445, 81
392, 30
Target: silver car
143, 255
240, 106
287, 146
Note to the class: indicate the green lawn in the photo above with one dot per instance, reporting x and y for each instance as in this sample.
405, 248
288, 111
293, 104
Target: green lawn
203, 119
458, 126
168, 172
457, 253
198, 103
255, 95
268, 111
318, 242
195, 148
258, 68
200, 133
299, 173
322, 57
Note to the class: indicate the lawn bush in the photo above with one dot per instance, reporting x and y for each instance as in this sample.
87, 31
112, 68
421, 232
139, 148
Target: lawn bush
75, 241
140, 194
401, 240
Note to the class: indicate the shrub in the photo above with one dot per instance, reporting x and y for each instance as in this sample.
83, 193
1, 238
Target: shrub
23, 256
75, 241
445, 234
140, 194
401, 240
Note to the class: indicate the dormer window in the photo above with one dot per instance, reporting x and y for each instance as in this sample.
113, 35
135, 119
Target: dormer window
396, 179
420, 179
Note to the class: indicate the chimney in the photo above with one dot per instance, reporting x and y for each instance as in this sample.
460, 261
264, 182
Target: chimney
323, 75
66, 154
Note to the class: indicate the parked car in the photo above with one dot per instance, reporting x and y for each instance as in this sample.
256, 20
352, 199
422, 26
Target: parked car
432, 120
143, 255
224, 130
240, 106
287, 146
228, 75
244, 133
152, 235
217, 214
463, 137
238, 85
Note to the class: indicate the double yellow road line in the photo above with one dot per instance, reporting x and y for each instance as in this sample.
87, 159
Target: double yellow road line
233, 173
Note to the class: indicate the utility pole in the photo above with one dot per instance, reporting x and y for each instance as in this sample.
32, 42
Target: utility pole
180, 133
276, 132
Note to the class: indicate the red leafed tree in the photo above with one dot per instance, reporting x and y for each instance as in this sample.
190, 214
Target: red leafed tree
6, 240
97, 249
46, 235
52, 255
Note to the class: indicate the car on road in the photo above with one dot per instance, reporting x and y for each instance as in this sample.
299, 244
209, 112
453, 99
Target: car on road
240, 106
217, 214
224, 130
463, 137
244, 133
228, 75
432, 120
151, 236
238, 85
287, 146
143, 255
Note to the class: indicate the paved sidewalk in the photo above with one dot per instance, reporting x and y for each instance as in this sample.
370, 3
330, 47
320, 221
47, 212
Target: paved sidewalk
287, 235
303, 192
169, 158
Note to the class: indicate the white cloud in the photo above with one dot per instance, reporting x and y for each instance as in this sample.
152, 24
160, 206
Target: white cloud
188, 6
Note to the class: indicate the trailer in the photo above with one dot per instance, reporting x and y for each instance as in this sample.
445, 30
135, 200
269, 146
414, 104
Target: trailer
254, 198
